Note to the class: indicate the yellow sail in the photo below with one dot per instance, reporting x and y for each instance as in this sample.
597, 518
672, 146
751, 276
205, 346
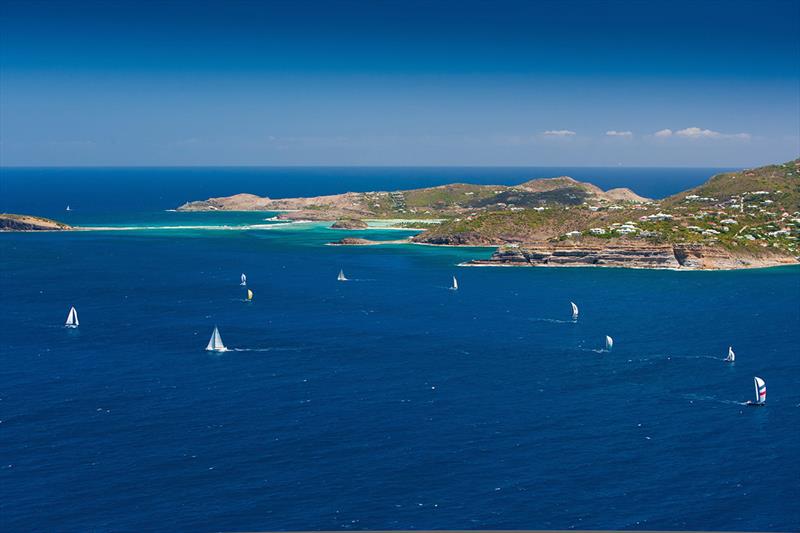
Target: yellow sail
249, 294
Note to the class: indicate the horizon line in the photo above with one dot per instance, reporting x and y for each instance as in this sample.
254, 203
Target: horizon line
34, 167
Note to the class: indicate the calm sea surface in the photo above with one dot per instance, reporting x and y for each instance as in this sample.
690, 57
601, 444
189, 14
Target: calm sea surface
385, 402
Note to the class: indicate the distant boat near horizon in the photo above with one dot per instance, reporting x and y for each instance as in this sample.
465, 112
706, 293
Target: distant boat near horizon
731, 356
215, 343
72, 318
341, 276
574, 311
244, 280
455, 284
68, 208
761, 392
609, 343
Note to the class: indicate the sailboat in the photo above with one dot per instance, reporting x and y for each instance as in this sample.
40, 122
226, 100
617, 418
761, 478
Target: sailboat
761, 392
455, 284
244, 281
68, 208
341, 276
731, 356
215, 343
574, 311
72, 318
249, 295
609, 343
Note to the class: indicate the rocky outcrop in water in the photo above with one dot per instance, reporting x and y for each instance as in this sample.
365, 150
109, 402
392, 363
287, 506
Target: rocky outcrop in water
352, 241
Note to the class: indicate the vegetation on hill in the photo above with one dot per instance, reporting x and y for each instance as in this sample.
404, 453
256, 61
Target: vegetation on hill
751, 210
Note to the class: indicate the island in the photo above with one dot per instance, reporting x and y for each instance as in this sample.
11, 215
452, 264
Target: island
744, 219
13, 222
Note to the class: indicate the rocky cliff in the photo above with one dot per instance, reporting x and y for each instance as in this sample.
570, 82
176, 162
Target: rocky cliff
631, 254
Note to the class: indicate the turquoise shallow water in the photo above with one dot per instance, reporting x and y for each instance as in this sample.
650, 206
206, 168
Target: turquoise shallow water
387, 401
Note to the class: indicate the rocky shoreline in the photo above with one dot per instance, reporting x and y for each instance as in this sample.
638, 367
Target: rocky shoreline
630, 255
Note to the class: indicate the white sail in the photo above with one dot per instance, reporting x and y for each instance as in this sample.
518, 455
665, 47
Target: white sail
215, 343
249, 295
574, 310
72, 318
341, 276
731, 356
609, 343
455, 284
761, 390
244, 280
68, 209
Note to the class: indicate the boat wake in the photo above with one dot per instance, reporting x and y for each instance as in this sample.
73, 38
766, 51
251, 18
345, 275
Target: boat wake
592, 350
694, 357
699, 398
670, 357
553, 320
270, 349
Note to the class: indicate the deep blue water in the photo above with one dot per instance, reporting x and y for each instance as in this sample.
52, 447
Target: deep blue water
384, 402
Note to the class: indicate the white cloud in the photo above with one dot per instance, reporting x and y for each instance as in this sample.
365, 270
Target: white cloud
699, 133
559, 133
614, 133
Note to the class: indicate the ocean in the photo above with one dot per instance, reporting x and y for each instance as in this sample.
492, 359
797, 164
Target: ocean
384, 402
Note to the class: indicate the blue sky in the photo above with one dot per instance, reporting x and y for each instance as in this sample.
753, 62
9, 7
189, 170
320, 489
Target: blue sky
399, 83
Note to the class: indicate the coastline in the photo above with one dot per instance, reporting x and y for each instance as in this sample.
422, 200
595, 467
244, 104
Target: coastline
494, 262
485, 264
